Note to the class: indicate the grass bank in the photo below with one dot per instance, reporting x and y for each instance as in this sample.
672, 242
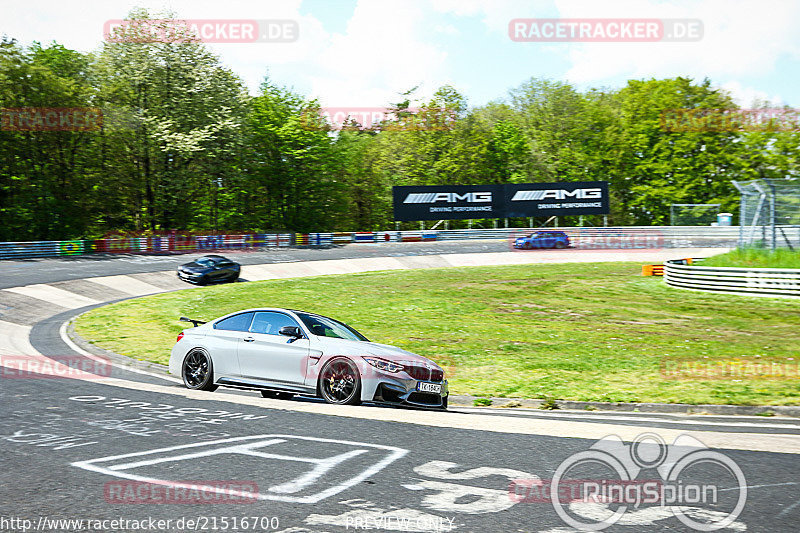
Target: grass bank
756, 258
586, 332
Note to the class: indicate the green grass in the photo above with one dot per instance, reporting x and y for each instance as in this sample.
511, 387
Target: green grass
585, 332
756, 258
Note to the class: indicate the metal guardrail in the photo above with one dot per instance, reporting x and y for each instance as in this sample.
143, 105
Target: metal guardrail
749, 281
582, 237
153, 244
618, 236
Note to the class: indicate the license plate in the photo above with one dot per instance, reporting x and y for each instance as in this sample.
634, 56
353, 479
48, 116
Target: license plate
429, 387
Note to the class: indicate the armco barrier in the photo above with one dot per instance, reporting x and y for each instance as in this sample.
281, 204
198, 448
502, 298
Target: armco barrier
153, 244
592, 237
583, 237
752, 281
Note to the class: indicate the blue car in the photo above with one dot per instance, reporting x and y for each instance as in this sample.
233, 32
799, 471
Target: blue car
542, 239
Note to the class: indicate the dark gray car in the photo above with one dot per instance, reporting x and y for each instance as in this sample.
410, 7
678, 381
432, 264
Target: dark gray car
209, 269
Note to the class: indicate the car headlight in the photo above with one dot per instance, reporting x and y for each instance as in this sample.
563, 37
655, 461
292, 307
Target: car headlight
384, 365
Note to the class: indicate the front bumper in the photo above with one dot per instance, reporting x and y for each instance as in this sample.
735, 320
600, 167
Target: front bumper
407, 394
189, 276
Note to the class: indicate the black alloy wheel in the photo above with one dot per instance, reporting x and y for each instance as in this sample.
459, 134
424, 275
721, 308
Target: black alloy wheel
198, 371
340, 382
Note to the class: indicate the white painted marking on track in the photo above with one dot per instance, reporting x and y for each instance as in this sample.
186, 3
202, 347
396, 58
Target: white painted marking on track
389, 454
737, 422
14, 338
62, 331
127, 284
54, 295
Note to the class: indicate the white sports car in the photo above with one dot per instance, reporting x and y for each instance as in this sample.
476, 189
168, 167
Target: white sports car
284, 352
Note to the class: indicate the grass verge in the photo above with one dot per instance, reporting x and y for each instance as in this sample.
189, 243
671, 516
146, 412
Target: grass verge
585, 332
756, 258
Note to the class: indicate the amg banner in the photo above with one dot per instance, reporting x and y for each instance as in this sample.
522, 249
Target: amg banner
437, 202
499, 201
556, 199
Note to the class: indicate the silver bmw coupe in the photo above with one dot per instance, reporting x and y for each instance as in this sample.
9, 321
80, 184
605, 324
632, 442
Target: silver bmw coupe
284, 352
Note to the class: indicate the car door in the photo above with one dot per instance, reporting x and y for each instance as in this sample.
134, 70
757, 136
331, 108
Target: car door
269, 357
218, 271
224, 343
548, 240
225, 269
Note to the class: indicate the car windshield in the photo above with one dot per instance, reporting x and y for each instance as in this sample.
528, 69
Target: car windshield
204, 261
327, 327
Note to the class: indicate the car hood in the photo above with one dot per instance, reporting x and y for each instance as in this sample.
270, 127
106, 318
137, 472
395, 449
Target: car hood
193, 267
385, 351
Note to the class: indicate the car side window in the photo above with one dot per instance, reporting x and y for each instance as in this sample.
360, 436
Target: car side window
270, 322
240, 322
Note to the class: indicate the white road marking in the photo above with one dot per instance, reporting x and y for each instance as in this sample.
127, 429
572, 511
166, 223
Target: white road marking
62, 331
789, 509
14, 338
446, 495
323, 465
772, 442
127, 284
368, 516
598, 512
440, 469
54, 295
737, 422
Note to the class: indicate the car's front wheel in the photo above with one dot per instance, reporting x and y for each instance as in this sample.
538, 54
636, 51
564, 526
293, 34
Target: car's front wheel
340, 382
198, 371
527, 246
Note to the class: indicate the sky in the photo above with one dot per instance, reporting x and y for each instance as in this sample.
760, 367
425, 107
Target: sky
365, 52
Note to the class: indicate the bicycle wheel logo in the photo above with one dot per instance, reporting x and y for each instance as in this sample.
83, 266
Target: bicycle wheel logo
596, 488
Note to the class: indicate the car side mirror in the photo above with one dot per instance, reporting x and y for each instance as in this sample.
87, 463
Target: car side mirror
291, 331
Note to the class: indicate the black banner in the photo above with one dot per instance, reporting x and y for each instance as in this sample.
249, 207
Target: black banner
440, 202
556, 199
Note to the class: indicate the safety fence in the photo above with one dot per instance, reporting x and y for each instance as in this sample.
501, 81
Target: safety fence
152, 244
580, 237
688, 274
618, 237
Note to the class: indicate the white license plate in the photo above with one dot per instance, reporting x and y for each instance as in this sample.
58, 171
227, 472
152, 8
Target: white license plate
429, 387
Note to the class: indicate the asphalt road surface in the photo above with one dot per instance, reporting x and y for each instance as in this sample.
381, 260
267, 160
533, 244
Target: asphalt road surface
125, 450
14, 273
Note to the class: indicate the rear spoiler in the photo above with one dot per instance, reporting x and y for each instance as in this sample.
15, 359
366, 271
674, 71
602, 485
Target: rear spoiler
195, 323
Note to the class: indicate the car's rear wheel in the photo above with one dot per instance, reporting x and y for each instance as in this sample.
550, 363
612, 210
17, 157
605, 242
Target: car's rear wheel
560, 245
340, 382
198, 371
277, 395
